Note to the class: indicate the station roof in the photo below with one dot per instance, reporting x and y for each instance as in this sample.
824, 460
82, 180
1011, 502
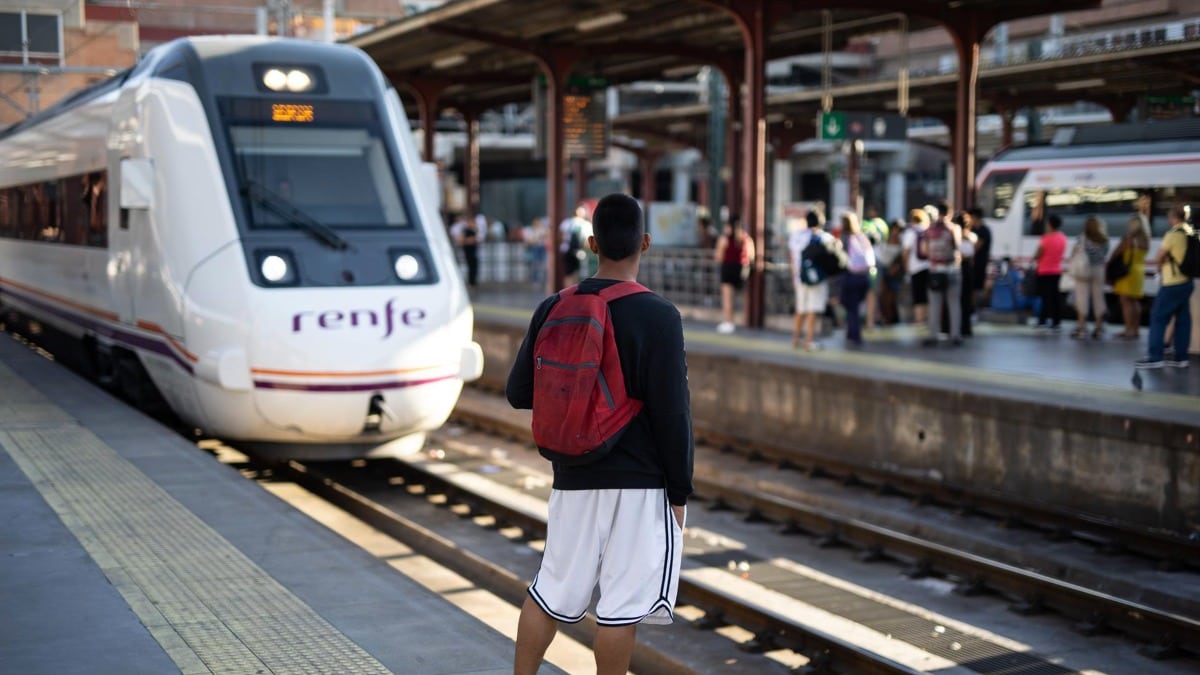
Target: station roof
484, 53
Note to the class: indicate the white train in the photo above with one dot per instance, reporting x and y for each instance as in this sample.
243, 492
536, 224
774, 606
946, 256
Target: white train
1116, 172
246, 222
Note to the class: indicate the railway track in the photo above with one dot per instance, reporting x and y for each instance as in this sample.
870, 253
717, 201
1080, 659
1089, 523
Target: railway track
1163, 634
347, 489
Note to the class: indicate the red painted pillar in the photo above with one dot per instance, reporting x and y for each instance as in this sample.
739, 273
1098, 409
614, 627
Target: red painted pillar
556, 65
579, 172
471, 161
754, 153
733, 154
967, 35
646, 163
427, 93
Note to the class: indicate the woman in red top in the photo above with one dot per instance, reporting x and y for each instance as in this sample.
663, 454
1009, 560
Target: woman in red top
735, 253
1049, 256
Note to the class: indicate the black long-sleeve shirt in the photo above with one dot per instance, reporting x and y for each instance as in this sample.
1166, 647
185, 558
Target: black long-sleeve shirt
656, 449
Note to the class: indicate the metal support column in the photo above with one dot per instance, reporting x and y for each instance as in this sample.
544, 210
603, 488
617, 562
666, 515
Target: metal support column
427, 93
556, 64
754, 152
967, 35
647, 161
579, 174
471, 163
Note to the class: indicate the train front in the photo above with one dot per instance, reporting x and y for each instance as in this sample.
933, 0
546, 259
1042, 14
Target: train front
338, 318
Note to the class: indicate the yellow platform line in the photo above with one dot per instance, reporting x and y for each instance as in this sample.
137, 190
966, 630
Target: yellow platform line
888, 363
211, 608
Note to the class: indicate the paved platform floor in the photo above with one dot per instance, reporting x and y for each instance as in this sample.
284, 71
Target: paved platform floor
128, 550
1001, 357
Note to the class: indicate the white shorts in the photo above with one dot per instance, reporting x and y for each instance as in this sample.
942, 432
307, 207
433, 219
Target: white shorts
625, 540
812, 299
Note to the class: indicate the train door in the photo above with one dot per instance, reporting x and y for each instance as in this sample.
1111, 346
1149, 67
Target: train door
135, 196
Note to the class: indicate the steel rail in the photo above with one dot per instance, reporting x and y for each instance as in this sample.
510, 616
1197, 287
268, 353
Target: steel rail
827, 653
1165, 633
1172, 551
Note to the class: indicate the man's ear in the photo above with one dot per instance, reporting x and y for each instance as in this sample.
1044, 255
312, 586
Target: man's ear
592, 245
645, 241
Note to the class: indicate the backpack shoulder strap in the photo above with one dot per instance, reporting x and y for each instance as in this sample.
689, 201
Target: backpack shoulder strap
568, 292
618, 291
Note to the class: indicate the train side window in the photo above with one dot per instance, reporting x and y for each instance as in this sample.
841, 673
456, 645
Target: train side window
27, 213
96, 189
1114, 205
996, 194
74, 211
49, 219
8, 227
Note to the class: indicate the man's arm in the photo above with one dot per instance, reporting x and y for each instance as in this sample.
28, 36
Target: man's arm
669, 408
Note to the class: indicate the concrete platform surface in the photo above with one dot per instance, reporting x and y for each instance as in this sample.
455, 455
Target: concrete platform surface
125, 549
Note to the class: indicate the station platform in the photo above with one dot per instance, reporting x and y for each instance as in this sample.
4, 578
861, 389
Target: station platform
1002, 356
1014, 414
128, 550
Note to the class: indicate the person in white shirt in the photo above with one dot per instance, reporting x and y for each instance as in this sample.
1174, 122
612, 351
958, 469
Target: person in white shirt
916, 267
812, 292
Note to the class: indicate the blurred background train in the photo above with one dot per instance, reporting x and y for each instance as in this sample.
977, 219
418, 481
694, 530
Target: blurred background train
242, 226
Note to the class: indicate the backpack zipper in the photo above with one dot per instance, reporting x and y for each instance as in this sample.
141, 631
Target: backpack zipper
565, 366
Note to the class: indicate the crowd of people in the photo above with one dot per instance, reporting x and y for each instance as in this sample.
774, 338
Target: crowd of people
932, 268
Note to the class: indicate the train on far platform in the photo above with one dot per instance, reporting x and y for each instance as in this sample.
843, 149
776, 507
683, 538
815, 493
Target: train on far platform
242, 227
1116, 172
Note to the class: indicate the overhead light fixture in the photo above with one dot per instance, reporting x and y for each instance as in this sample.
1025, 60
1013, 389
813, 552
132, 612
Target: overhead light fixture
681, 71
1072, 85
601, 21
450, 61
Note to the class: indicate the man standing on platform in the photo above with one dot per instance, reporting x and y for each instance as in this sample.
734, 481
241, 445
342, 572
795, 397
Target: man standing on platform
616, 520
1173, 296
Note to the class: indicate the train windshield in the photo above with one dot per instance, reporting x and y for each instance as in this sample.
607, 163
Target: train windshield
327, 160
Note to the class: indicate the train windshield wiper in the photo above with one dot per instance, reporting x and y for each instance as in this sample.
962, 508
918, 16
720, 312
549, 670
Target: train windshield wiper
283, 208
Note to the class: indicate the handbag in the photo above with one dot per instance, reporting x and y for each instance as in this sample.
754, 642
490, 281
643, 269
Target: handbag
1078, 265
1116, 268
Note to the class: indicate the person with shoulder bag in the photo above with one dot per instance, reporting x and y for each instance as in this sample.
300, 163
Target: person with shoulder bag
941, 244
1178, 266
1087, 268
1128, 281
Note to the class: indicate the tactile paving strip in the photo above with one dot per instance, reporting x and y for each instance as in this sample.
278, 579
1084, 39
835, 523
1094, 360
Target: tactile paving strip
209, 606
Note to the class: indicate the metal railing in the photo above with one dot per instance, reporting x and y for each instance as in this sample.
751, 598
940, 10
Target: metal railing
685, 276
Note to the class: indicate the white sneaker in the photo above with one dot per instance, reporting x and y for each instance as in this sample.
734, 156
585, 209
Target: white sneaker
725, 327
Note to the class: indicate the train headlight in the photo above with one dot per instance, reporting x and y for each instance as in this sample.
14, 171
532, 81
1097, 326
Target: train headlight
275, 79
299, 80
411, 266
276, 267
283, 78
407, 267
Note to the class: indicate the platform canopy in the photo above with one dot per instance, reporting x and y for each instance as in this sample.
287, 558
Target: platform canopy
485, 53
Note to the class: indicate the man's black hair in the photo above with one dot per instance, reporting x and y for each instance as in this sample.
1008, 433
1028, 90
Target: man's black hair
617, 226
814, 219
943, 207
976, 212
1054, 221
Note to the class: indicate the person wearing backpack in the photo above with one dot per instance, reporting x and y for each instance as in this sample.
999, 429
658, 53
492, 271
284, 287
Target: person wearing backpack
941, 247
1177, 260
808, 248
605, 360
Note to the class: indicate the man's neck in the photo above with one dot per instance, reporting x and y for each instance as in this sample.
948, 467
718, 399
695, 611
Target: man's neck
618, 270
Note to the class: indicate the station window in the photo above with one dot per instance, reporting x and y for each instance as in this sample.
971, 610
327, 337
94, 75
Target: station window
30, 36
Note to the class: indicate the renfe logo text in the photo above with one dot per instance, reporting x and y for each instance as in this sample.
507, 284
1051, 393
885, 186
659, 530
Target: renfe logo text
339, 319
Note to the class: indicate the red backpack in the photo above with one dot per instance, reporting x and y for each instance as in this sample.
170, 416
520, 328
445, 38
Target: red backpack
580, 407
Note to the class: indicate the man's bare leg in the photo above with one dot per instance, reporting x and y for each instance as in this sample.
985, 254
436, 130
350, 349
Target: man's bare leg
535, 632
614, 649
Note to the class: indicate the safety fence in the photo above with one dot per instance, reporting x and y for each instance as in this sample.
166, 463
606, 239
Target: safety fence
685, 276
